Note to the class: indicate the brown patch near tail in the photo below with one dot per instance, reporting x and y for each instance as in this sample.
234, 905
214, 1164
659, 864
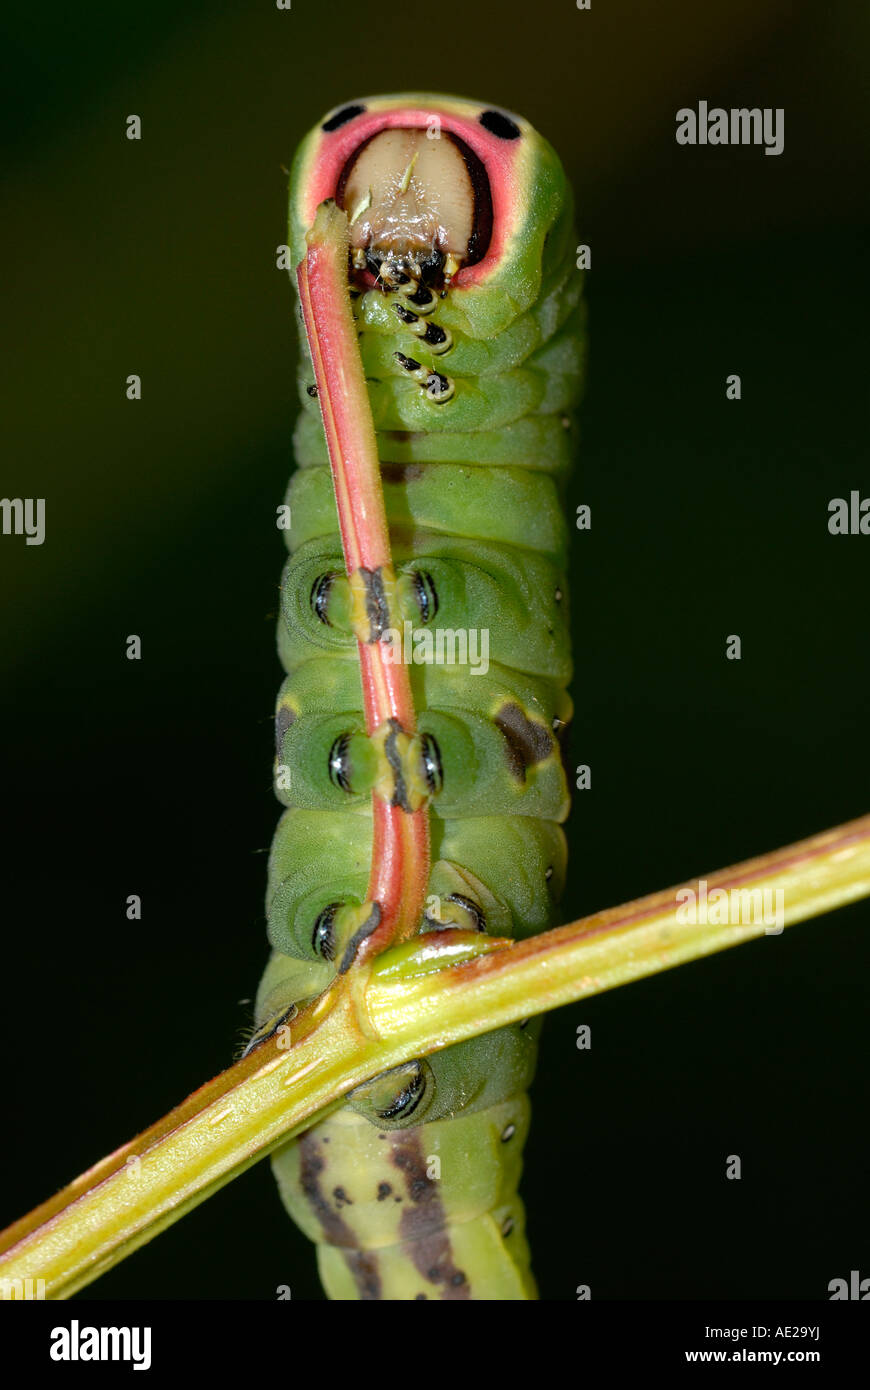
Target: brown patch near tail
402, 472
423, 1225
526, 742
362, 1264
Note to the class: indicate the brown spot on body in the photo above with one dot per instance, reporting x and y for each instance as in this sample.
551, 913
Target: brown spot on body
402, 472
363, 1264
526, 742
341, 1197
423, 1225
313, 1166
384, 1191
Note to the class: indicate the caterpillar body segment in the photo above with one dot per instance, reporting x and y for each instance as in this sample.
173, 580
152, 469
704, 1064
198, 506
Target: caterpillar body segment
469, 319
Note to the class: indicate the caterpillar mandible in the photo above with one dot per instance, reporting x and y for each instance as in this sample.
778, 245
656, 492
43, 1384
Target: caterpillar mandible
467, 308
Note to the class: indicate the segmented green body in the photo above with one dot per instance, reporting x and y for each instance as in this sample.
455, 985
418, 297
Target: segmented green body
410, 1189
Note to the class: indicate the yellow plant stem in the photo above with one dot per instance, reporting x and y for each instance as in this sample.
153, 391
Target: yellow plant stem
411, 1000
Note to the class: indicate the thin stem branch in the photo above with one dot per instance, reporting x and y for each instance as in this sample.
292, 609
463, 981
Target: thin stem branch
416, 998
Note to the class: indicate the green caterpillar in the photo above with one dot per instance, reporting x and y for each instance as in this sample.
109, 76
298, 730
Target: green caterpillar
467, 302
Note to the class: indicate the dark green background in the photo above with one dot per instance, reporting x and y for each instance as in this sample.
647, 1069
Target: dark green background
709, 518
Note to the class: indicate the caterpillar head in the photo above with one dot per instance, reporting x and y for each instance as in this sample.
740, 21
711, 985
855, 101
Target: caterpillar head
418, 209
440, 192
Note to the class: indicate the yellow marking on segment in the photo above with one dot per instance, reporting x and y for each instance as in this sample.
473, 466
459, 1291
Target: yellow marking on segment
384, 784
406, 763
406, 177
359, 612
362, 206
361, 589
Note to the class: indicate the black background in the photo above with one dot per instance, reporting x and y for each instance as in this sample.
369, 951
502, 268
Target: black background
709, 518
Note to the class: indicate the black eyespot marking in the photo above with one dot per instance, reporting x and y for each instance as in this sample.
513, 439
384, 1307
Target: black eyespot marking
323, 935
432, 769
311, 391
421, 1298
426, 595
384, 1191
434, 335
319, 596
342, 117
408, 1098
339, 763
497, 123
457, 1278
477, 917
